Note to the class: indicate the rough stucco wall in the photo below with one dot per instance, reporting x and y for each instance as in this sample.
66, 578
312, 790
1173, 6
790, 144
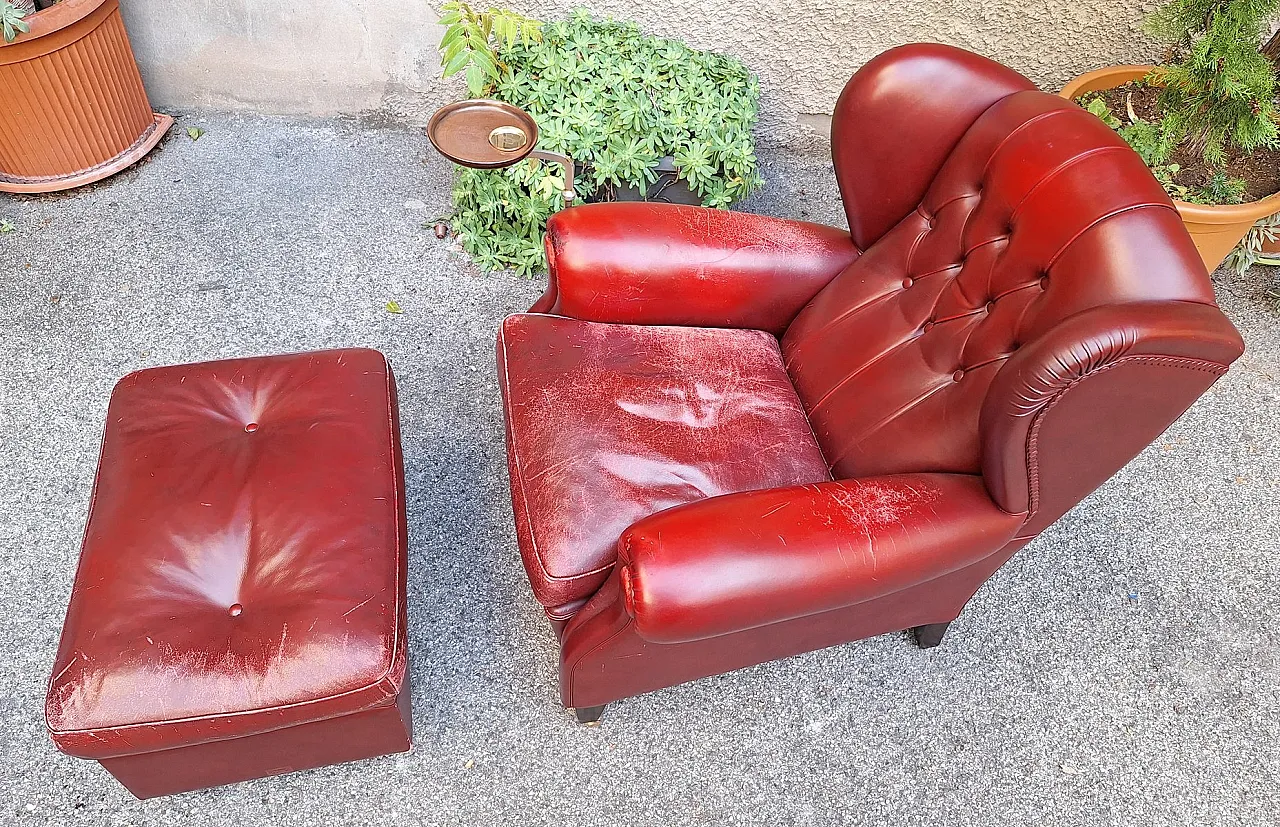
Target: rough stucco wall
328, 57
805, 50
297, 57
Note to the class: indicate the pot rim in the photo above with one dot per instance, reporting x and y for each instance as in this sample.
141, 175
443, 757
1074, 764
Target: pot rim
1203, 213
56, 18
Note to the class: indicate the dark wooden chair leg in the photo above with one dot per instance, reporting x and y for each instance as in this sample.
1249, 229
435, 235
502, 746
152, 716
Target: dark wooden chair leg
930, 635
589, 714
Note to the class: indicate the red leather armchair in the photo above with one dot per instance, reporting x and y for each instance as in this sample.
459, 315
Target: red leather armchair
734, 438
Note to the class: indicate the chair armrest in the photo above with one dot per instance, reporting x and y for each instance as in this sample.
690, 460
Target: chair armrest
646, 263
740, 561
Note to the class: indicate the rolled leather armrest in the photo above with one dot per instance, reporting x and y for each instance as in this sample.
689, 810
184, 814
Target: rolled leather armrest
741, 561
647, 263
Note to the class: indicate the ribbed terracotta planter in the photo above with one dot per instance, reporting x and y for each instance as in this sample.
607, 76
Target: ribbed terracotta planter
1215, 230
72, 106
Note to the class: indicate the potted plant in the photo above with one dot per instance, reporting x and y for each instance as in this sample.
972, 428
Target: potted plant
645, 118
74, 107
1206, 120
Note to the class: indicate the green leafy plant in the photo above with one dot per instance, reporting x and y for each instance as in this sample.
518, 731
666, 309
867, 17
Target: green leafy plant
1096, 105
1145, 137
11, 21
471, 40
1218, 90
617, 102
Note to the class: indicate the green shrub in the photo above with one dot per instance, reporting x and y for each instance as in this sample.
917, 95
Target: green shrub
1219, 90
467, 44
617, 102
1145, 137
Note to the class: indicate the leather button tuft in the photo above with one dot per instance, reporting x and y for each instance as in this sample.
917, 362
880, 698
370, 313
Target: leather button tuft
958, 375
991, 305
927, 326
251, 427
235, 610
907, 282
1044, 282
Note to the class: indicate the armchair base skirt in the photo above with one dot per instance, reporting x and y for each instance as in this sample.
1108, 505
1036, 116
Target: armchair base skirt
603, 659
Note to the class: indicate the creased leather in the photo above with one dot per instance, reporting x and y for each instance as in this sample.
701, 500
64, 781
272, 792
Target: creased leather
610, 423
243, 562
1040, 212
1027, 313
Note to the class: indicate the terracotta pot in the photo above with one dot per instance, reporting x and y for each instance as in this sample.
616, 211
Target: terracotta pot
1215, 230
72, 106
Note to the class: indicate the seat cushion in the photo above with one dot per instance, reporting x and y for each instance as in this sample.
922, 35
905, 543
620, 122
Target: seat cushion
607, 424
244, 561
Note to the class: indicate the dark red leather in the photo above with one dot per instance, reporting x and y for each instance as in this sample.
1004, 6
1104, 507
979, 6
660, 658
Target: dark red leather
607, 424
1027, 313
1041, 212
639, 263
741, 561
898, 119
602, 658
1079, 402
243, 567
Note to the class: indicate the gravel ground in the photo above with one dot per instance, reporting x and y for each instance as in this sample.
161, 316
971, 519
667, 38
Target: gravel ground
1121, 670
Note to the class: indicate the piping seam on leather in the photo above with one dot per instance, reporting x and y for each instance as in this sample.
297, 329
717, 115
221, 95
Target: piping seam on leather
515, 457
573, 670
1118, 211
1033, 462
1012, 133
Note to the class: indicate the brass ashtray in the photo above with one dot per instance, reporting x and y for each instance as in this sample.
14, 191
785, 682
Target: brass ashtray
490, 134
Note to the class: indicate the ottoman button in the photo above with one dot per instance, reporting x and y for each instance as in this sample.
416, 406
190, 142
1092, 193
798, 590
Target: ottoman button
235, 610
251, 427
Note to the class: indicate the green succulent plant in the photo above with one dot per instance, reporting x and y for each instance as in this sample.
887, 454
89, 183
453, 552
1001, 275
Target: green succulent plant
11, 22
617, 102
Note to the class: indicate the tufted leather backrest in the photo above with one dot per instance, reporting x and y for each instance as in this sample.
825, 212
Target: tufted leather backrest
1037, 216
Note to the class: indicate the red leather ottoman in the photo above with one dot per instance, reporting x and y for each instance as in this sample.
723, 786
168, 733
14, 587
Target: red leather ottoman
239, 610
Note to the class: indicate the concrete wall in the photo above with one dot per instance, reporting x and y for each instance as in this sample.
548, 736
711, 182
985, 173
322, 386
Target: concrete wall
377, 57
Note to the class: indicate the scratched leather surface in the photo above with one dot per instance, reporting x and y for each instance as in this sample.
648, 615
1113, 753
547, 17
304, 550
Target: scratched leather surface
746, 560
243, 561
1025, 314
610, 423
